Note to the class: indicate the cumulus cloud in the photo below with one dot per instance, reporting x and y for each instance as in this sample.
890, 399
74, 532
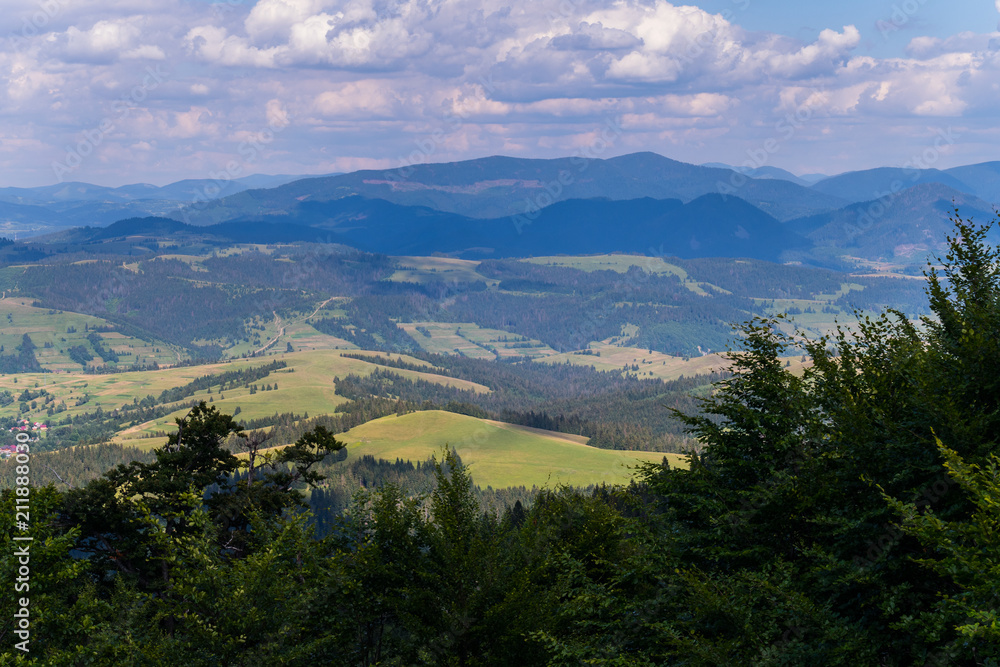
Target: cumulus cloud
821, 57
360, 82
925, 47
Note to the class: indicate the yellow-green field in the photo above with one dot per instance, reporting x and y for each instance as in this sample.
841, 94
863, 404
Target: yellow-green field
434, 269
607, 357
471, 340
50, 332
621, 264
305, 386
273, 334
498, 454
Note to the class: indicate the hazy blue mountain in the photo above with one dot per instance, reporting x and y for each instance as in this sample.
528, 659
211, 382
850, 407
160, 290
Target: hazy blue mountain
200, 189
48, 208
499, 186
904, 227
762, 172
859, 186
983, 178
138, 230
21, 216
709, 226
194, 189
60, 192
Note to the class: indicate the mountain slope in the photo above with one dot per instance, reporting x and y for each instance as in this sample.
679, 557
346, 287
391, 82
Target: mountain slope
711, 225
763, 172
499, 186
904, 227
983, 178
870, 184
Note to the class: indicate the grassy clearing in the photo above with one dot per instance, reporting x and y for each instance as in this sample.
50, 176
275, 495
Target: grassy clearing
470, 340
621, 264
434, 269
498, 455
51, 331
305, 386
607, 357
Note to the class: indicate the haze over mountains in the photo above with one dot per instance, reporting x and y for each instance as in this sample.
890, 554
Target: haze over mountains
508, 207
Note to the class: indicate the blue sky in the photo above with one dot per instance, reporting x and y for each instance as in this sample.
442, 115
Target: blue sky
121, 91
879, 20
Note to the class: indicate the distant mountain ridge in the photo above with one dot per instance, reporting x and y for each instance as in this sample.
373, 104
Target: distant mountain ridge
500, 186
183, 191
902, 226
503, 206
736, 229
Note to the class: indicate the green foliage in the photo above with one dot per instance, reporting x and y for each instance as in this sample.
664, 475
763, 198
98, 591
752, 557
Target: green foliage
24, 361
965, 550
816, 527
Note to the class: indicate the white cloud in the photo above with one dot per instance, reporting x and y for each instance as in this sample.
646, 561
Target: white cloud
826, 53
360, 81
103, 39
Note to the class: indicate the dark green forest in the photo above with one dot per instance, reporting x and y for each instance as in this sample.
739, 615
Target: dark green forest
847, 515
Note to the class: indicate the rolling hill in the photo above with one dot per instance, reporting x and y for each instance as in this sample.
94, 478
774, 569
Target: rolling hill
498, 454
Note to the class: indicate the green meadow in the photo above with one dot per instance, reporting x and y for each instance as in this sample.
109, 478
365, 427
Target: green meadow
498, 454
54, 332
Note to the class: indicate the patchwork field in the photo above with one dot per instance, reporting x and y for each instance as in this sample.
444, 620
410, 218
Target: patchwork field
604, 356
305, 386
471, 340
498, 454
621, 264
273, 335
433, 269
54, 332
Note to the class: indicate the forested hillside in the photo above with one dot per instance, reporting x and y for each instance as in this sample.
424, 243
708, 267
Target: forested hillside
842, 514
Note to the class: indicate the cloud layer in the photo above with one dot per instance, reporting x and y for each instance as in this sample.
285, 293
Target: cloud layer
137, 90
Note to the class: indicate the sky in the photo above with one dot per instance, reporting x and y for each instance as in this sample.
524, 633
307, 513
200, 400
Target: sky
126, 91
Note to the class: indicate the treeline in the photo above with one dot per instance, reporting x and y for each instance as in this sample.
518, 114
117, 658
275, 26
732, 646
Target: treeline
347, 477
107, 355
166, 299
173, 301
843, 516
562, 307
100, 425
616, 412
74, 466
757, 278
24, 361
225, 381
222, 300
908, 295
